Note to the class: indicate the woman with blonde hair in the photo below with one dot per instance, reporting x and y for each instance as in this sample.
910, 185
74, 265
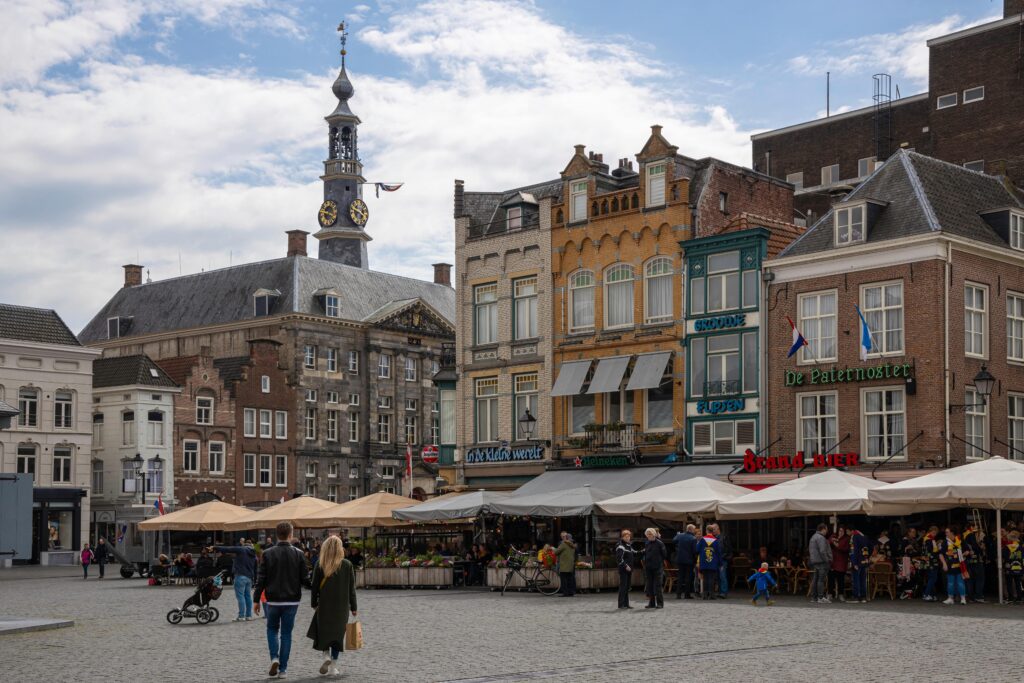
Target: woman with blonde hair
333, 597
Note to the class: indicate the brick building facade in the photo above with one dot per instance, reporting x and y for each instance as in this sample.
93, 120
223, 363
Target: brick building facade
931, 254
970, 116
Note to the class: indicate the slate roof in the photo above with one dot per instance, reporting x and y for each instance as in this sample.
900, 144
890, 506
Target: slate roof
924, 195
226, 295
125, 371
230, 370
482, 207
7, 410
40, 325
178, 368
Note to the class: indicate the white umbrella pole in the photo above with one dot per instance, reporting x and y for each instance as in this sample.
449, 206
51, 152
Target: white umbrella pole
999, 552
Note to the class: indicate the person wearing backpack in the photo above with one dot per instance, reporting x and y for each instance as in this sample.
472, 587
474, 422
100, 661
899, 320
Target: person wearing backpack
87, 557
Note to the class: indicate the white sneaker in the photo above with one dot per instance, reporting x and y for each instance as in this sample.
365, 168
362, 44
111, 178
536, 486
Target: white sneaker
282, 674
947, 601
335, 669
842, 598
963, 600
239, 619
826, 600
325, 668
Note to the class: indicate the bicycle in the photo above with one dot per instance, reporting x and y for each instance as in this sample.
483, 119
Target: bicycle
534, 574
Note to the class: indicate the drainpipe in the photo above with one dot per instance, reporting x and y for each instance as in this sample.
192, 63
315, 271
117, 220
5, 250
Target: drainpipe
945, 411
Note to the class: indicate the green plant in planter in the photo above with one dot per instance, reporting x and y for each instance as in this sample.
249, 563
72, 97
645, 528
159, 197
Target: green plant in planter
655, 438
592, 427
577, 442
616, 426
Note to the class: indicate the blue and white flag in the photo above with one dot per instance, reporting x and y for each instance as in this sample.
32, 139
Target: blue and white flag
798, 339
865, 336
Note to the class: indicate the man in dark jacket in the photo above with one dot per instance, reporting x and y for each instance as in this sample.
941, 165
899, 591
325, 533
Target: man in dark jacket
101, 553
281, 572
860, 560
624, 559
709, 557
725, 548
243, 567
655, 555
686, 554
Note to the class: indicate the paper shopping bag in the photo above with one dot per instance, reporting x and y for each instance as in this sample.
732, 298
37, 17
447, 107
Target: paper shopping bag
354, 636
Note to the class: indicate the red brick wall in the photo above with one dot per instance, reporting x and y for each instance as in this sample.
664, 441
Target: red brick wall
746, 193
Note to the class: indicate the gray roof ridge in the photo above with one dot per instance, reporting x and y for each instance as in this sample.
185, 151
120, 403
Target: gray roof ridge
960, 169
805, 233
922, 196
212, 270
376, 272
47, 310
403, 302
521, 188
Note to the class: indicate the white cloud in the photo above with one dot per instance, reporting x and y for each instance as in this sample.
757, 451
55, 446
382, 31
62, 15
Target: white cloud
138, 162
903, 54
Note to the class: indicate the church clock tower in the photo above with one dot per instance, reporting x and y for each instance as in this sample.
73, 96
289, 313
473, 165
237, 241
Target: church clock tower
343, 214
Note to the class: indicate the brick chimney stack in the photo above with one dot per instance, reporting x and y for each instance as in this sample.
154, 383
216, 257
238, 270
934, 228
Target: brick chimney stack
297, 242
443, 274
460, 204
132, 275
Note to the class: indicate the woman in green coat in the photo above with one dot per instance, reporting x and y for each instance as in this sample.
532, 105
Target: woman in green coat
334, 596
566, 553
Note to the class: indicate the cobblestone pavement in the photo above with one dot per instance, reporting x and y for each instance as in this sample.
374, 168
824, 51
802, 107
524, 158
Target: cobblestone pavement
476, 636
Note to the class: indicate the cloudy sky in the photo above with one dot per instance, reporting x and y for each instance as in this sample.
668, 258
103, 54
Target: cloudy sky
189, 134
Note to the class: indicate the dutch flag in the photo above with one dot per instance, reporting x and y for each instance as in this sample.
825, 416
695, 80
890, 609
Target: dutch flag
798, 339
159, 504
865, 336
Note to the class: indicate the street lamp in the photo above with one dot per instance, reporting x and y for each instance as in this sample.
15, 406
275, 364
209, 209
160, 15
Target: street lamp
140, 473
983, 383
527, 423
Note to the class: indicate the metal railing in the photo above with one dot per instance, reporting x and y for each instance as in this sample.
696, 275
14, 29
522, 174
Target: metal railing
730, 387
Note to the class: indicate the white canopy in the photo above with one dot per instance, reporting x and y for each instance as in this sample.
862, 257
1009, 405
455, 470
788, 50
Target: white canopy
675, 500
460, 506
829, 492
568, 503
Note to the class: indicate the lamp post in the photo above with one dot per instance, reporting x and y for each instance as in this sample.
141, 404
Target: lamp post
527, 423
140, 473
983, 384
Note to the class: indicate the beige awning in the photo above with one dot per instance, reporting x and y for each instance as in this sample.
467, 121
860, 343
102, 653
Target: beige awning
368, 511
648, 370
212, 516
288, 511
608, 375
571, 378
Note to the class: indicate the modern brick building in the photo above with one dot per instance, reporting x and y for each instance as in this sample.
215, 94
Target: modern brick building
933, 256
358, 347
970, 115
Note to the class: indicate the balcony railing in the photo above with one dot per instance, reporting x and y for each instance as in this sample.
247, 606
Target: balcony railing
342, 167
730, 387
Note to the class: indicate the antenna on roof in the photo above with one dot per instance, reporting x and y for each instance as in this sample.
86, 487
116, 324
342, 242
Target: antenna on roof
828, 92
344, 39
148, 278
179, 262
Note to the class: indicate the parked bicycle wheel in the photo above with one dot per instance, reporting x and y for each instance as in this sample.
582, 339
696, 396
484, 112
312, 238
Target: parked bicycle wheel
547, 581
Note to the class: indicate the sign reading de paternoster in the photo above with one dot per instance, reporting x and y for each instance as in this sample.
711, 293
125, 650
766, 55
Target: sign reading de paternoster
503, 454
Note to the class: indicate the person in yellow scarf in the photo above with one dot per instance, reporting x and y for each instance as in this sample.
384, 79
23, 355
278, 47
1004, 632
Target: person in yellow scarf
1013, 566
952, 557
931, 548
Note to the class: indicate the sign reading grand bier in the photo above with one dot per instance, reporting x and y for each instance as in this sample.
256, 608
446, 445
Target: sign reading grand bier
754, 463
503, 454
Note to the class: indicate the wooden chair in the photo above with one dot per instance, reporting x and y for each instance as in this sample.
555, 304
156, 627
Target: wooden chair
671, 575
882, 579
801, 578
740, 569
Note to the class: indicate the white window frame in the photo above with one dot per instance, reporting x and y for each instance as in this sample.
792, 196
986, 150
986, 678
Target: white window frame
1015, 426
865, 166
28, 407
280, 424
1015, 326
410, 369
266, 423
332, 425
265, 384
666, 378
865, 437
658, 267
526, 395
97, 430
204, 413
63, 409
249, 422
626, 284
332, 360
195, 451
514, 217
332, 493
577, 208
309, 356
310, 424
719, 279
485, 403
353, 362
849, 213
524, 307
1017, 231
590, 283
485, 314
311, 395
353, 399
249, 469
712, 426
796, 180
830, 174
332, 306
411, 428
63, 453
975, 416
280, 470
156, 430
383, 428
966, 99
353, 427
656, 175
410, 404
332, 469
384, 403
878, 337
809, 354
332, 396
211, 448
256, 305
384, 366
387, 472
975, 340
824, 445
129, 435
945, 98
266, 466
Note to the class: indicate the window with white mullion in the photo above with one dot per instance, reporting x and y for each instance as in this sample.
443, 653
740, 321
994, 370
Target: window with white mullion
618, 293
577, 201
581, 301
723, 281
485, 302
849, 225
656, 184
975, 320
486, 410
818, 422
975, 425
818, 325
884, 423
524, 292
1015, 327
882, 306
1017, 231
658, 290
1015, 426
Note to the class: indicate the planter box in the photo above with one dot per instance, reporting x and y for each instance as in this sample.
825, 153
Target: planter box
411, 577
431, 576
360, 578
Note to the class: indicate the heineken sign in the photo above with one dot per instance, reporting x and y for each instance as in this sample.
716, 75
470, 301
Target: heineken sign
722, 322
504, 454
603, 461
837, 375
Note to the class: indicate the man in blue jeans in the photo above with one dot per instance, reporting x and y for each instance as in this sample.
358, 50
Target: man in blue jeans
280, 575
726, 554
243, 566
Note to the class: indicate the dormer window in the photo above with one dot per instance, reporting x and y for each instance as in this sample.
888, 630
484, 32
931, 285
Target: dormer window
514, 216
118, 326
263, 301
656, 184
849, 225
331, 307
577, 201
1017, 230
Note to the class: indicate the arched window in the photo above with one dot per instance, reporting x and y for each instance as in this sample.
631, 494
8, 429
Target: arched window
332, 143
625, 202
581, 301
658, 290
635, 202
615, 203
593, 209
348, 144
618, 296
604, 206
559, 217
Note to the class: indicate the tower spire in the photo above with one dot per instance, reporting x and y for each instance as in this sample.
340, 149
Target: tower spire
344, 39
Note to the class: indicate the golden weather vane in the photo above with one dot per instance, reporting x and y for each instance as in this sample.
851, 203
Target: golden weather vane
344, 39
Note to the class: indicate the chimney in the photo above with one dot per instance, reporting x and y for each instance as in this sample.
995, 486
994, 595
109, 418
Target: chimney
460, 203
656, 129
579, 149
132, 275
296, 242
443, 274
599, 158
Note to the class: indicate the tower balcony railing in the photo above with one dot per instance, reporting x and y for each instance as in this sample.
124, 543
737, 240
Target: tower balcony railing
343, 167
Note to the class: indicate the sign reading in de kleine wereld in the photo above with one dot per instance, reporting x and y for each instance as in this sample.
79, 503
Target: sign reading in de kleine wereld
732, 405
504, 454
722, 322
834, 375
753, 462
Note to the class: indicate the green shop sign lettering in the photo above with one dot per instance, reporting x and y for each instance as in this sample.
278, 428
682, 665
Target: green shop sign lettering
835, 375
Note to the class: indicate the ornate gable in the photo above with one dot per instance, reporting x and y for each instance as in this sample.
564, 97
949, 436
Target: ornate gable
656, 146
416, 319
578, 165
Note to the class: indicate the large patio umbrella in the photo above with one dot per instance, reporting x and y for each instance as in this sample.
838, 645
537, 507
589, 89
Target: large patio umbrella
288, 511
575, 502
829, 492
212, 516
457, 506
995, 483
676, 500
368, 511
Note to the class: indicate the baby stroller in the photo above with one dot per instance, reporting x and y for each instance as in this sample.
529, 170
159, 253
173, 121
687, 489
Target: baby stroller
198, 606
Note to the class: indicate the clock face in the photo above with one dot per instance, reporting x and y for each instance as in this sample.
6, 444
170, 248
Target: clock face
358, 212
328, 213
